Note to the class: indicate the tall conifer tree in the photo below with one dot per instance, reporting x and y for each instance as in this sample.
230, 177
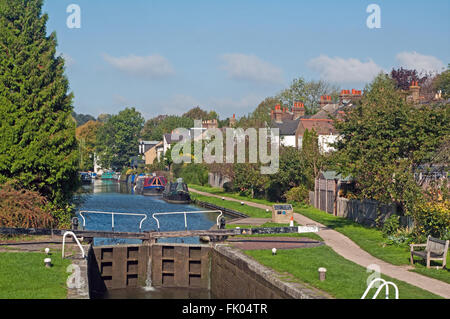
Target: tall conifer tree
37, 146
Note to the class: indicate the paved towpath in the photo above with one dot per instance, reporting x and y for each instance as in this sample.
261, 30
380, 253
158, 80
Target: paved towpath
351, 251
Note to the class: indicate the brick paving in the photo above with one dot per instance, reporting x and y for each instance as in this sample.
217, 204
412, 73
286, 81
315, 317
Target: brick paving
345, 247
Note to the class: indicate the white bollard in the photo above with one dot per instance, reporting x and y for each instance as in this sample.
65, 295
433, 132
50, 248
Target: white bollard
48, 262
322, 273
47, 250
274, 251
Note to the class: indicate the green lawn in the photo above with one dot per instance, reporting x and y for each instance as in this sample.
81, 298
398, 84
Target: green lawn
24, 276
369, 239
248, 210
345, 279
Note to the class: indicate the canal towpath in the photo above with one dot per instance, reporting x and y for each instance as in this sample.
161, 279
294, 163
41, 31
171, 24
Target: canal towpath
348, 249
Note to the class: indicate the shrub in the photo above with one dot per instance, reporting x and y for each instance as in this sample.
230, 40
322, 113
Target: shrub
298, 194
21, 208
228, 187
391, 226
432, 218
194, 174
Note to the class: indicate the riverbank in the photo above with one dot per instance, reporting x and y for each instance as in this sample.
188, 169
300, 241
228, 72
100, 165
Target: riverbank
349, 249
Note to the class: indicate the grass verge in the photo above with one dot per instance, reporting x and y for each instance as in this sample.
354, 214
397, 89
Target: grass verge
345, 279
24, 276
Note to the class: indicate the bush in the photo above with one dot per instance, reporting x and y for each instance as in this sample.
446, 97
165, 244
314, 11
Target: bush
391, 226
194, 174
432, 218
21, 208
228, 187
298, 194
402, 236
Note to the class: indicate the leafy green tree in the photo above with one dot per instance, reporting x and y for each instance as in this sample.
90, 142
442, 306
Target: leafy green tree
37, 146
155, 128
82, 118
309, 92
385, 139
311, 158
442, 83
290, 173
87, 139
118, 139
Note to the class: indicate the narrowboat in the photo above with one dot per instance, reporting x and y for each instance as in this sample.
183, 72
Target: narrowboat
177, 193
153, 185
85, 178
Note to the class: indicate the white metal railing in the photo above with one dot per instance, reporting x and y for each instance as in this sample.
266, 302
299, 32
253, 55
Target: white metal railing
185, 215
112, 217
76, 239
384, 283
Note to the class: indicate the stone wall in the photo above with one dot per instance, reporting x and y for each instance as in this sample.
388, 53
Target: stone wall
234, 275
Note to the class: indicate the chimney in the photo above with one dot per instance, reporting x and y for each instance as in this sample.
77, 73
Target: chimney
278, 114
414, 90
233, 120
299, 110
324, 100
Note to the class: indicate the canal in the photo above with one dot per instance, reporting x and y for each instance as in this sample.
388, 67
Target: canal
112, 196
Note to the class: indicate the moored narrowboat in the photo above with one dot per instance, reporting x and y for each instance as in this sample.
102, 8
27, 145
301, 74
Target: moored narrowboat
153, 185
177, 193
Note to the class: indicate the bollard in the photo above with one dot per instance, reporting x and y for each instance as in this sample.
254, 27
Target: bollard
47, 250
48, 262
274, 251
322, 273
242, 203
291, 223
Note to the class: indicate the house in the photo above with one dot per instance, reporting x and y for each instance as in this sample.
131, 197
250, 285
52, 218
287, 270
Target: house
292, 123
144, 146
287, 122
154, 153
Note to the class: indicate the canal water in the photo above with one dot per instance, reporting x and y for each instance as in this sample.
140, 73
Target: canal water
112, 196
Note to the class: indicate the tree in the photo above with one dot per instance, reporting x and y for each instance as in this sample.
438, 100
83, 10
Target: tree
404, 77
118, 139
82, 118
442, 83
87, 139
37, 146
155, 128
385, 139
311, 158
307, 92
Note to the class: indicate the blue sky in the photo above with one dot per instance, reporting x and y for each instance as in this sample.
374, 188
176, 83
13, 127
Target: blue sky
164, 57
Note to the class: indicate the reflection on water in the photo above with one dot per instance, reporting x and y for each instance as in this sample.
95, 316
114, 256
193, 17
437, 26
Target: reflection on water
112, 196
158, 293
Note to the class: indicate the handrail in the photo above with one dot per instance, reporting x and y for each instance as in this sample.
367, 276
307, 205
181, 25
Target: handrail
185, 215
76, 239
112, 217
385, 283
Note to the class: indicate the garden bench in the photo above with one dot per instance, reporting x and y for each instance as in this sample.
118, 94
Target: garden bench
435, 249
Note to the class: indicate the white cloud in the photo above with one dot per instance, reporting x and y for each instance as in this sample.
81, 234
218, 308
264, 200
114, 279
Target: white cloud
420, 62
153, 66
250, 68
340, 70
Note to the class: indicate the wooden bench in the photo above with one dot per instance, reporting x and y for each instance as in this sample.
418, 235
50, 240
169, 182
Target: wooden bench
435, 249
